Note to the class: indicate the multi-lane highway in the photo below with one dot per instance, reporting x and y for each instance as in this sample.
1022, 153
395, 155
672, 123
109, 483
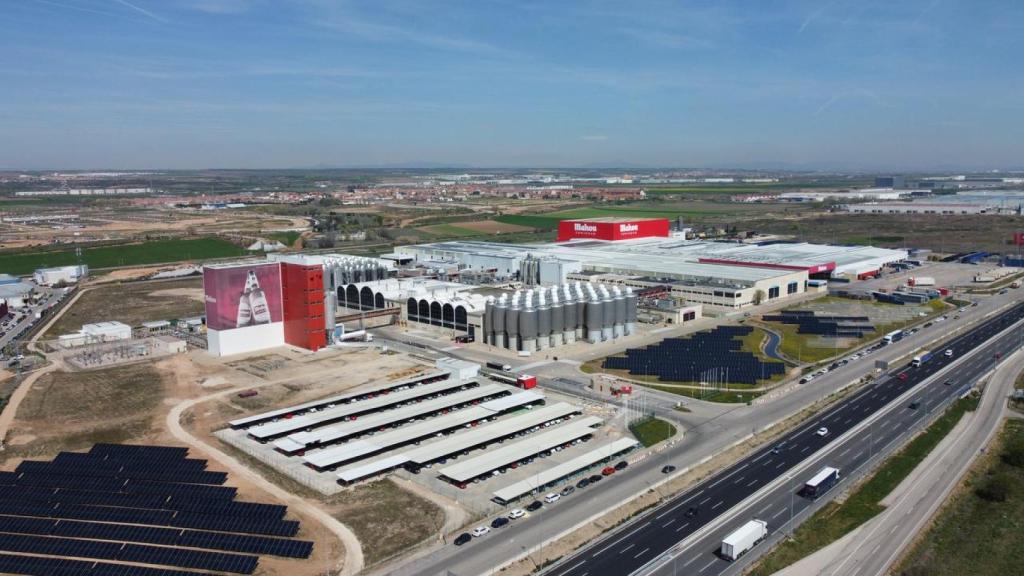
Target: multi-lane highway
779, 470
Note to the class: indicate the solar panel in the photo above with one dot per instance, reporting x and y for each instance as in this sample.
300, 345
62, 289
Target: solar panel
41, 566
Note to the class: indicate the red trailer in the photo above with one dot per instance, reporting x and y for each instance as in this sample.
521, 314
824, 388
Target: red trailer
525, 381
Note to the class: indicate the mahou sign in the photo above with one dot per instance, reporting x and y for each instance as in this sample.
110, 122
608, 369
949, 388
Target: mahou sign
612, 230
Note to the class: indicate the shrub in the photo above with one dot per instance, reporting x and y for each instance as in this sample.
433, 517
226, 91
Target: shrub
995, 489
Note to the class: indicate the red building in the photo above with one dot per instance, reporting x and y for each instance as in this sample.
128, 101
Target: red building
302, 287
612, 228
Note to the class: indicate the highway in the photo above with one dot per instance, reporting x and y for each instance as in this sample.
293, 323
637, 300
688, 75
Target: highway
781, 469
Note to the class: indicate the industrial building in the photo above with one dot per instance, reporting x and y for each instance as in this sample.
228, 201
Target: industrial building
62, 274
110, 331
921, 208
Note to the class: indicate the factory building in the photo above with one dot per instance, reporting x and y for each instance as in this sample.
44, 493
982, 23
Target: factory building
65, 274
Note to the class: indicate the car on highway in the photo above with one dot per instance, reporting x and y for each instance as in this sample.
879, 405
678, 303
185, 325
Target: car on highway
463, 538
915, 405
777, 449
621, 465
823, 431
534, 506
948, 382
949, 353
692, 511
480, 531
551, 498
516, 514
499, 522
668, 469
568, 490
903, 376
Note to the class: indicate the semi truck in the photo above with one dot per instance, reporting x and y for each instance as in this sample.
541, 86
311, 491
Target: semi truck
743, 539
921, 281
822, 482
499, 366
921, 358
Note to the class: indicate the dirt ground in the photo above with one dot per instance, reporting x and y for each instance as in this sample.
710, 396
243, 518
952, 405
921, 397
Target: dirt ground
132, 303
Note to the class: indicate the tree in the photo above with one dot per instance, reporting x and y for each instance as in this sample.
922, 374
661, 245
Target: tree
758, 297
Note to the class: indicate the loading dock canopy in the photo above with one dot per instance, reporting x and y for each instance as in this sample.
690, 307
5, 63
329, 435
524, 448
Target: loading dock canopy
366, 423
526, 448
488, 433
257, 418
328, 415
379, 442
556, 473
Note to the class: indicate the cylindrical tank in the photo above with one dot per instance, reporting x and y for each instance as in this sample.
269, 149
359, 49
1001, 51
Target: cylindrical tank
569, 312
631, 301
581, 314
620, 313
608, 312
498, 313
557, 319
512, 325
486, 319
543, 323
594, 318
528, 328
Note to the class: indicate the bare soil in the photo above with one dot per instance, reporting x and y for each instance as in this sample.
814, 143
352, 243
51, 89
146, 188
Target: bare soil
131, 303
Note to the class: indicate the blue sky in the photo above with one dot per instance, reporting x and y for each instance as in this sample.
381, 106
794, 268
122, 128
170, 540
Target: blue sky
847, 84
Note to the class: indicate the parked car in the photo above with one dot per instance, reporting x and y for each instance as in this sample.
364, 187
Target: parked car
516, 514
480, 531
668, 469
621, 465
499, 522
568, 490
463, 538
534, 506
551, 498
595, 478
608, 471
583, 483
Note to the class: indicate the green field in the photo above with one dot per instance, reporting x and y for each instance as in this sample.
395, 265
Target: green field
153, 252
979, 531
287, 238
650, 431
836, 520
550, 221
449, 230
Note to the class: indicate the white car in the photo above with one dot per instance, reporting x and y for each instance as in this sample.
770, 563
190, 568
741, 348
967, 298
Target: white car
551, 498
949, 353
480, 531
821, 431
516, 514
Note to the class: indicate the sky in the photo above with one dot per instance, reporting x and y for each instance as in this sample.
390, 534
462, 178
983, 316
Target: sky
818, 84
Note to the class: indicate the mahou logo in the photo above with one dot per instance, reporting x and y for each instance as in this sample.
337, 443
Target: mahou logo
581, 227
627, 228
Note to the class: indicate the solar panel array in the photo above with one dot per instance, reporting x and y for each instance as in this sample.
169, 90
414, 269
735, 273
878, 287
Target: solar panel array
139, 504
711, 355
808, 322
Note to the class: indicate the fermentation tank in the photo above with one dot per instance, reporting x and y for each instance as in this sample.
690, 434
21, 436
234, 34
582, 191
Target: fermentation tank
595, 317
512, 325
608, 312
581, 312
486, 319
630, 311
543, 322
528, 326
620, 312
557, 319
569, 312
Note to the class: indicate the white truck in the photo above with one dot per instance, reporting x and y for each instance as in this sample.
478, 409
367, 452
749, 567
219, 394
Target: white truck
921, 281
743, 539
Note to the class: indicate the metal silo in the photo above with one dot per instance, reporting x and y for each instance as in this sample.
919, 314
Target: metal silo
631, 302
608, 313
594, 317
543, 321
557, 319
499, 312
528, 327
571, 318
620, 312
486, 319
512, 324
581, 312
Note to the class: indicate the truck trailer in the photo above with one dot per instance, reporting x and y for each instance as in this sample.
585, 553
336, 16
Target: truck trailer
921, 358
821, 483
499, 366
921, 281
743, 539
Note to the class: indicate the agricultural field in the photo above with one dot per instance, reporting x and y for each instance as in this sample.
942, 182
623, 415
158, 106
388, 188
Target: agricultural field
133, 304
705, 212
153, 252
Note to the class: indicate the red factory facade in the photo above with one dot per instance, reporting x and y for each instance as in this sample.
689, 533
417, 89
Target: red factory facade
302, 287
612, 229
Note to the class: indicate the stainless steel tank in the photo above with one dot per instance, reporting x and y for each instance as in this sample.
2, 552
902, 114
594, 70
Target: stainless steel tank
608, 311
571, 318
485, 321
594, 317
512, 325
631, 302
619, 323
557, 319
528, 328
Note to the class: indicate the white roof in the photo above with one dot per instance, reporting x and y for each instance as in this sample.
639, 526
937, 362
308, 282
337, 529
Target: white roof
336, 432
330, 400
820, 476
309, 419
492, 459
378, 442
156, 324
556, 473
489, 432
744, 532
372, 468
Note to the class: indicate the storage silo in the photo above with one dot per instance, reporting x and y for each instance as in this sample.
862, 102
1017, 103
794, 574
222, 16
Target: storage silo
557, 319
498, 313
486, 319
618, 326
594, 317
543, 321
608, 313
581, 312
569, 313
512, 324
528, 326
631, 302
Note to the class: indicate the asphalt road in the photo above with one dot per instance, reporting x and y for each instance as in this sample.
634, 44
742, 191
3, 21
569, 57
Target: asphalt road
709, 429
645, 540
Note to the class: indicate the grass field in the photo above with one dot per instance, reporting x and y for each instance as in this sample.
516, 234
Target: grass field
287, 238
72, 411
550, 221
131, 303
834, 520
976, 533
652, 430
449, 230
153, 252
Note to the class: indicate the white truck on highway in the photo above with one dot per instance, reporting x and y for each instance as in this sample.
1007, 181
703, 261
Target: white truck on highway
743, 539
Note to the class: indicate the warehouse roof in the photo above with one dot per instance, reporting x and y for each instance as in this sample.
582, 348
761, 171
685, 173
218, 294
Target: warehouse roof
371, 468
556, 473
530, 446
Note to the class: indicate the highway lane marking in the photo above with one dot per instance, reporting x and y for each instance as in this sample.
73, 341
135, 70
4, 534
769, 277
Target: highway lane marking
806, 448
843, 453
641, 553
575, 566
847, 421
723, 478
779, 513
637, 529
894, 528
698, 493
717, 505
712, 563
752, 482
669, 523
681, 527
690, 561
781, 464
763, 510
704, 501
738, 480
623, 551
761, 456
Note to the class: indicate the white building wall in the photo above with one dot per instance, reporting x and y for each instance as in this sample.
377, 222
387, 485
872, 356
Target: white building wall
245, 340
